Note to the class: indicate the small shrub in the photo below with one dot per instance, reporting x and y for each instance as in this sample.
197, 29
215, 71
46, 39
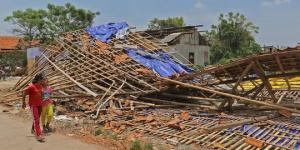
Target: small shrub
148, 146
113, 136
136, 145
97, 131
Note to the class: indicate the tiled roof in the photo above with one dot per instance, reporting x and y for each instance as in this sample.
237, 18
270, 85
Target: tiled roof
15, 43
9, 42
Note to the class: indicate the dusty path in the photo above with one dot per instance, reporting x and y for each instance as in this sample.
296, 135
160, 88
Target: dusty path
15, 135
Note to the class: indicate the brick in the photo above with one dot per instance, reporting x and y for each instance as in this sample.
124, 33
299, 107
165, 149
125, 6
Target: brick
254, 142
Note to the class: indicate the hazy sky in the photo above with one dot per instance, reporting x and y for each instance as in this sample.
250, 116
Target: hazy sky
278, 19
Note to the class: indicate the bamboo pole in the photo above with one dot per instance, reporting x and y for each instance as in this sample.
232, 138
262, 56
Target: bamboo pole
177, 103
69, 77
191, 97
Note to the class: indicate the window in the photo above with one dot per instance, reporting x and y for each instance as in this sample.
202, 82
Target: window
192, 57
205, 58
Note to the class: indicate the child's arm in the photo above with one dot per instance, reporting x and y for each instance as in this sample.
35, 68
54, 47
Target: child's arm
24, 93
23, 100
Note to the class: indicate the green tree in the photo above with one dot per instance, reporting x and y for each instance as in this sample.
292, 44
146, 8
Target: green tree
28, 23
231, 37
156, 23
13, 59
46, 24
67, 18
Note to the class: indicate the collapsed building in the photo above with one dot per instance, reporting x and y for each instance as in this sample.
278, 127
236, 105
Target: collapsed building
110, 70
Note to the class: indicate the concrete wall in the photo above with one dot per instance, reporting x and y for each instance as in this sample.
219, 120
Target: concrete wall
198, 50
192, 38
32, 54
190, 43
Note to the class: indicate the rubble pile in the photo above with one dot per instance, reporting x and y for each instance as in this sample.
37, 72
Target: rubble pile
126, 80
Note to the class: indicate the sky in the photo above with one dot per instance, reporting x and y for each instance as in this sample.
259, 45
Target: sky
278, 20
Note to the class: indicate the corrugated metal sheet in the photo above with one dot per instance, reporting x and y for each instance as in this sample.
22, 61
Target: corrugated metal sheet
170, 37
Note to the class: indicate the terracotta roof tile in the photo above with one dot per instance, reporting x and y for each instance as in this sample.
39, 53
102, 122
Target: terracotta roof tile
9, 42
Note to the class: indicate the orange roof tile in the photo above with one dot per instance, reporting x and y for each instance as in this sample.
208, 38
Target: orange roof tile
9, 42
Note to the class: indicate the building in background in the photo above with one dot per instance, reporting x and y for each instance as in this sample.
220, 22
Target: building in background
10, 44
32, 57
13, 54
14, 43
186, 43
269, 49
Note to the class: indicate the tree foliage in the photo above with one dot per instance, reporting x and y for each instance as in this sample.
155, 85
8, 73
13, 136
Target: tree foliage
46, 24
67, 18
156, 23
29, 22
232, 37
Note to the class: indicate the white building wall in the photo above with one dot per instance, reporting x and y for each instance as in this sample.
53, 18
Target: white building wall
192, 39
188, 43
198, 50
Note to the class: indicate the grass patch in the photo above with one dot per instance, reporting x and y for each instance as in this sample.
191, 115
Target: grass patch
148, 146
105, 133
137, 145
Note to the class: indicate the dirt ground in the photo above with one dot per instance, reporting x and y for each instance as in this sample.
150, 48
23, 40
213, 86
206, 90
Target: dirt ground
15, 133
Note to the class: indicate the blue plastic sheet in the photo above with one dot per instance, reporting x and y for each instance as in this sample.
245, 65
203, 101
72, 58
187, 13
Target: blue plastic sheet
161, 63
105, 32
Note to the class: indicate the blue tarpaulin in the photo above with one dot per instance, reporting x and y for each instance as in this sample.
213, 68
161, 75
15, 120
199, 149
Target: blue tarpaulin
105, 32
159, 63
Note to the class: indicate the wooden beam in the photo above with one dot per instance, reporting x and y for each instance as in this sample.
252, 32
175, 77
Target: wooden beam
244, 99
250, 91
212, 101
282, 70
221, 80
191, 97
261, 86
240, 61
230, 75
176, 103
293, 74
260, 72
244, 73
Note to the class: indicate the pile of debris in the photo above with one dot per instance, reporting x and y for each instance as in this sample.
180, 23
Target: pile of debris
110, 69
219, 131
102, 63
